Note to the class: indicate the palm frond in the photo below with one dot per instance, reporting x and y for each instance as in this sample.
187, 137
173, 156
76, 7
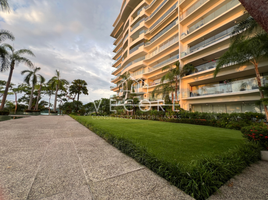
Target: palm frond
5, 34
28, 78
41, 78
24, 60
24, 51
25, 71
4, 5
9, 47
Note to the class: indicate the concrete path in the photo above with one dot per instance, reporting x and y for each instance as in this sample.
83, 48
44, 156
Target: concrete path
54, 158
252, 184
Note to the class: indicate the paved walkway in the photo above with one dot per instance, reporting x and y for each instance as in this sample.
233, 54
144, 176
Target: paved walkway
54, 157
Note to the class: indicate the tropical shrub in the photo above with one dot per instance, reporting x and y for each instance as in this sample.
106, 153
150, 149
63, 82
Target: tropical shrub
257, 133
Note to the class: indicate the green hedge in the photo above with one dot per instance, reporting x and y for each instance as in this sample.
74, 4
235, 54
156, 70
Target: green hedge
201, 178
4, 112
257, 133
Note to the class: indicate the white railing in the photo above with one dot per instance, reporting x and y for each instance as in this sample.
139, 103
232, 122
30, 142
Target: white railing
191, 9
163, 46
162, 64
164, 16
212, 16
171, 25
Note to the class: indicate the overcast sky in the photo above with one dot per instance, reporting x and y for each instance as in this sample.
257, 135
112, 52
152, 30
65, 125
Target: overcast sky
72, 36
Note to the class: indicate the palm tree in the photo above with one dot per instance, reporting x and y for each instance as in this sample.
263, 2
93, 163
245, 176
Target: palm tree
15, 57
4, 35
259, 10
78, 87
41, 83
173, 75
4, 5
33, 78
246, 47
57, 84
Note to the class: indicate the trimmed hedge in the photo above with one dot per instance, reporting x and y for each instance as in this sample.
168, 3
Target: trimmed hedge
4, 112
201, 178
257, 133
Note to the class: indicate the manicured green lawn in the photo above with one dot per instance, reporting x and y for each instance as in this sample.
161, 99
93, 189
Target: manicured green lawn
171, 142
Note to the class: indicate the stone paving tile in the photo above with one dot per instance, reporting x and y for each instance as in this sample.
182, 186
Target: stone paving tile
77, 193
17, 171
251, 184
60, 171
142, 184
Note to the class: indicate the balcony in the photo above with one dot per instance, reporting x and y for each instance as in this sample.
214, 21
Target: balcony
134, 61
163, 16
164, 63
137, 24
207, 18
146, 7
136, 48
220, 36
171, 25
156, 10
192, 8
225, 87
163, 46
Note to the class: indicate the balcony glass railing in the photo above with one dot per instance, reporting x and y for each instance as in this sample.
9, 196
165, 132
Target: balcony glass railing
209, 41
134, 37
139, 72
171, 25
166, 14
136, 48
134, 61
137, 24
119, 50
213, 15
138, 13
192, 8
227, 86
146, 7
163, 46
125, 38
162, 64
156, 10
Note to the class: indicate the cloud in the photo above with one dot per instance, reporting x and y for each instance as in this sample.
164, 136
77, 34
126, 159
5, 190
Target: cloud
72, 36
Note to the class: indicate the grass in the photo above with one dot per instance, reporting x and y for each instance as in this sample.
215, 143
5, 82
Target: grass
196, 159
171, 142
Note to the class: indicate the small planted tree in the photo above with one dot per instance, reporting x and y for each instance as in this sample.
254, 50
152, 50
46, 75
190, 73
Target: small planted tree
33, 78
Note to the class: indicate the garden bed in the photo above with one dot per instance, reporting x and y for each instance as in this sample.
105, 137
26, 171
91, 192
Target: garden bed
196, 159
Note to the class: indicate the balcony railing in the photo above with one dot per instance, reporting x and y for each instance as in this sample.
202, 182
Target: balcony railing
146, 7
125, 38
141, 32
210, 17
137, 24
134, 61
138, 12
227, 86
163, 46
192, 8
162, 64
136, 48
164, 16
209, 41
156, 10
171, 25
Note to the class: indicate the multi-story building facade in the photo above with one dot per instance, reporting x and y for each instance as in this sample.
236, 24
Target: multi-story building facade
151, 34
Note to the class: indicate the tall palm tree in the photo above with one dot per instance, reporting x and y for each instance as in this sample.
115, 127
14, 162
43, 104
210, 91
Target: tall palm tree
41, 83
4, 62
174, 74
258, 9
32, 77
57, 84
246, 47
4, 5
15, 57
78, 87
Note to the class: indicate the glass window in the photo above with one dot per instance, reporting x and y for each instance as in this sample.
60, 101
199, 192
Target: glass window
250, 107
219, 108
234, 108
197, 108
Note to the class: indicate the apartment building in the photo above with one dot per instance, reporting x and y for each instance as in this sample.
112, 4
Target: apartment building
152, 34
